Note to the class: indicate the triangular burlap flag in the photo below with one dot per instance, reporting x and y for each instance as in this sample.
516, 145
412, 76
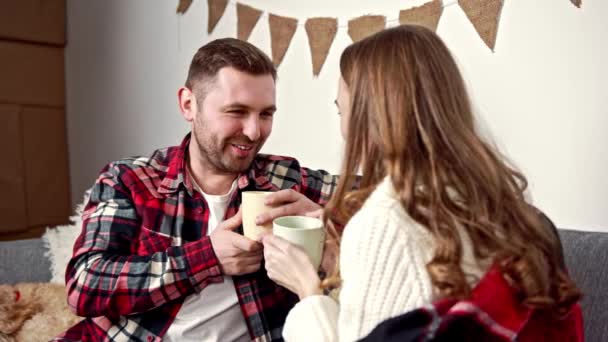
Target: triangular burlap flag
426, 15
321, 33
364, 26
247, 17
183, 6
577, 3
216, 11
282, 30
485, 15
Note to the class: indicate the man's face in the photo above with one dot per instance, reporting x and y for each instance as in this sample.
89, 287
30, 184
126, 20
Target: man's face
233, 120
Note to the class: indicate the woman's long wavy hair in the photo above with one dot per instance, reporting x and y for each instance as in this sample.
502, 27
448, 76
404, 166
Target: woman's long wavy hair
411, 119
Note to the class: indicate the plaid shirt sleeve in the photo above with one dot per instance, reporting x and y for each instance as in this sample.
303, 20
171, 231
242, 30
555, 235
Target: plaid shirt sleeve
106, 276
318, 185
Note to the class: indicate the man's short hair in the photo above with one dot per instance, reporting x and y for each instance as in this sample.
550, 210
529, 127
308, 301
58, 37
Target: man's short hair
226, 52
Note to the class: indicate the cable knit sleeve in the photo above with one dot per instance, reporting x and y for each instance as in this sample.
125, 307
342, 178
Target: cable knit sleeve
382, 260
314, 318
383, 265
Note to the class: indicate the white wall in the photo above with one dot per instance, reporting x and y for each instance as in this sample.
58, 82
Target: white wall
541, 94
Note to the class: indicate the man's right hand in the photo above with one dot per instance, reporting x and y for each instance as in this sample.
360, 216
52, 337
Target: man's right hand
237, 254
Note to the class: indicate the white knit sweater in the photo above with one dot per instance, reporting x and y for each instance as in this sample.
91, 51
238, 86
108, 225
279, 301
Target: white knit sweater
382, 263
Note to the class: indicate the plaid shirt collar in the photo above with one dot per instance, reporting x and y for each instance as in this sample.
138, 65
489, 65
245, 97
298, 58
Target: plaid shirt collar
177, 173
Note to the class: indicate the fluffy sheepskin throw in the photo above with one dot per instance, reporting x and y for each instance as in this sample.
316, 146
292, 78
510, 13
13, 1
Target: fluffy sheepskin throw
59, 242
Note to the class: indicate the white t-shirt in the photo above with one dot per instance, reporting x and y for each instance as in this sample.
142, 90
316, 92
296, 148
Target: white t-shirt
214, 314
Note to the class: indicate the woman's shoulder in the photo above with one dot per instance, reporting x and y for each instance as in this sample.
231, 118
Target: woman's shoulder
381, 202
384, 204
383, 213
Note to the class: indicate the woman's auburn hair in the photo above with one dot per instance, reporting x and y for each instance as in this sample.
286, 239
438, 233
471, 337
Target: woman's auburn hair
411, 120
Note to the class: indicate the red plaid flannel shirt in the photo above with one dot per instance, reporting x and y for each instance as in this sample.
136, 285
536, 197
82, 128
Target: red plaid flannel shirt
144, 248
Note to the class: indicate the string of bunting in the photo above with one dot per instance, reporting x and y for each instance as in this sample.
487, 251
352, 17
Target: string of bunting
321, 31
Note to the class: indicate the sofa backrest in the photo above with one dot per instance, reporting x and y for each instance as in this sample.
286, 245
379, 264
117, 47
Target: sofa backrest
24, 261
586, 255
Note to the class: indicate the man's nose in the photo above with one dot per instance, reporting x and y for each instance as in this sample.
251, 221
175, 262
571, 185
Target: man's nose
251, 127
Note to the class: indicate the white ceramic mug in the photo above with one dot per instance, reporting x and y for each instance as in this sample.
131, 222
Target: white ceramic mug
252, 206
306, 232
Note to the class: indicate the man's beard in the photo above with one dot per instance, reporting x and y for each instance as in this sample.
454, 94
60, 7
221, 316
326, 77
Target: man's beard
217, 154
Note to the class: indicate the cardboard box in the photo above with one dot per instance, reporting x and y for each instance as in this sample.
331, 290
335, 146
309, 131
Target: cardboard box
31, 74
12, 179
41, 21
46, 166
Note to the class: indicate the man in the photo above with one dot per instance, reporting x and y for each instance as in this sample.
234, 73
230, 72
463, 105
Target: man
161, 255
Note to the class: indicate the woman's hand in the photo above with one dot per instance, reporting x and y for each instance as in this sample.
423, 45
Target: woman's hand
289, 266
330, 255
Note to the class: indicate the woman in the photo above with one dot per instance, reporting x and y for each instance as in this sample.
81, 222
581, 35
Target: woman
436, 209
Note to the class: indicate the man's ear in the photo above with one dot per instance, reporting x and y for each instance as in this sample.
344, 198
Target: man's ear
187, 103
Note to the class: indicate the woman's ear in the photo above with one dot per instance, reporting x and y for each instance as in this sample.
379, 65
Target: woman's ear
187, 103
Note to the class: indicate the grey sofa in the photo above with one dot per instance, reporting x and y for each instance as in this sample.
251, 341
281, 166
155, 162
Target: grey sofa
24, 261
586, 255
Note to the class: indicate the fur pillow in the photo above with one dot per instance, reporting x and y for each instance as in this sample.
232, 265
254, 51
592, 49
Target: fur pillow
59, 242
32, 312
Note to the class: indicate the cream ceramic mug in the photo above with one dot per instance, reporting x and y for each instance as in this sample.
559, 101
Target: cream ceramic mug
306, 232
252, 206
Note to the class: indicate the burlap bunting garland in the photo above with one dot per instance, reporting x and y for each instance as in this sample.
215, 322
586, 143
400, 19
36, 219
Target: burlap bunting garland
364, 26
282, 30
247, 17
485, 15
321, 33
426, 15
183, 6
216, 11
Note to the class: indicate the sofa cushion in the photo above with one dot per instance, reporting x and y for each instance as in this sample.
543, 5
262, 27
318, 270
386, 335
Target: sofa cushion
23, 261
586, 255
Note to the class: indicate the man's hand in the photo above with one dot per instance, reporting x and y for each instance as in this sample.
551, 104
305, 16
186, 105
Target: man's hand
237, 254
285, 203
